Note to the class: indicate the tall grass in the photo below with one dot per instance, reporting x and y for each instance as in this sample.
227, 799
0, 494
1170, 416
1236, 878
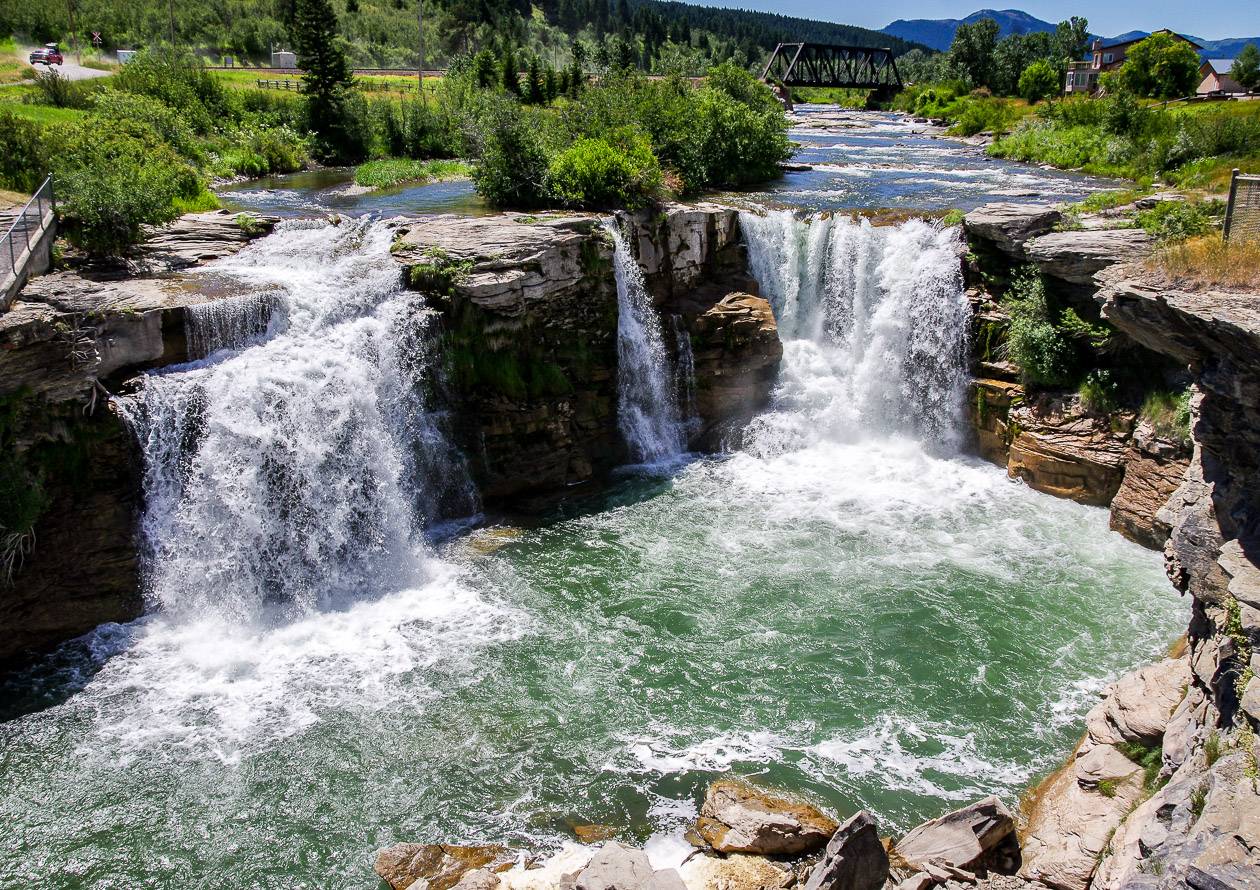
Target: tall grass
394, 171
1208, 262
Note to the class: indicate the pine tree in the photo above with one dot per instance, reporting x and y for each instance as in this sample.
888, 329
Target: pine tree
537, 94
327, 75
511, 76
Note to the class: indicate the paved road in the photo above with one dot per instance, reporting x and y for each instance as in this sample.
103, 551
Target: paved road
70, 69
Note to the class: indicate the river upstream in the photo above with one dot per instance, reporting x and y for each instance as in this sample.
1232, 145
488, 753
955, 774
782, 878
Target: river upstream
847, 606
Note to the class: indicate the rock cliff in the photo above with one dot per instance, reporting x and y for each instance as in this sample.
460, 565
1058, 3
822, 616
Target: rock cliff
530, 312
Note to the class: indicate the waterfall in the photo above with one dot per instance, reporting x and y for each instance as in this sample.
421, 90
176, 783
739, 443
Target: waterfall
647, 405
230, 323
685, 378
300, 472
874, 323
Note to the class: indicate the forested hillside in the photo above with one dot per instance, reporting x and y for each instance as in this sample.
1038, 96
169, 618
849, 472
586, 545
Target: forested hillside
655, 36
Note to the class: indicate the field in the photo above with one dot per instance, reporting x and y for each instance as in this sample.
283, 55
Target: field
393, 85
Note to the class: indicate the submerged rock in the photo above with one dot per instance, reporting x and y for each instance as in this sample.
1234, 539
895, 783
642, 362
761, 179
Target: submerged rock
440, 866
961, 838
739, 818
855, 858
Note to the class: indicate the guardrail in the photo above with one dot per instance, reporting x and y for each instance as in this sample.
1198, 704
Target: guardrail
25, 231
367, 85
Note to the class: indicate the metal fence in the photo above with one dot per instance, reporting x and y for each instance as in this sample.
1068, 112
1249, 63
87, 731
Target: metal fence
26, 228
1242, 214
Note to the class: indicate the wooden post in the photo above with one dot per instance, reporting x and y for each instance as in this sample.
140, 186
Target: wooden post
1229, 207
420, 36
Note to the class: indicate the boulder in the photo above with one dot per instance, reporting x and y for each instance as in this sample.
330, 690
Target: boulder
1075, 257
478, 879
854, 859
1008, 225
440, 866
736, 871
1138, 705
616, 867
961, 838
739, 818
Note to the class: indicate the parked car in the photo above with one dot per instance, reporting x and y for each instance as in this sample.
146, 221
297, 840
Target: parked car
48, 54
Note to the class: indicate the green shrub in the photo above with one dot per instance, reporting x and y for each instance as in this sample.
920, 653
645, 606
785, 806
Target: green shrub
114, 105
595, 173
23, 153
54, 89
1032, 340
113, 183
1040, 80
1149, 757
513, 161
1172, 221
177, 79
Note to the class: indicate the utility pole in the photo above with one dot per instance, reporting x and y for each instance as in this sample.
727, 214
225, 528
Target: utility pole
420, 36
74, 33
172, 8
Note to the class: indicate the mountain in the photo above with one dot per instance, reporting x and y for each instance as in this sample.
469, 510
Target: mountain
939, 33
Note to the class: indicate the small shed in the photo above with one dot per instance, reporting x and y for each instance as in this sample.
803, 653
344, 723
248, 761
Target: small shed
282, 59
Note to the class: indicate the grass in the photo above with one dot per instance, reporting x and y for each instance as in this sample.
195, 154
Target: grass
1149, 757
1169, 414
1212, 748
394, 171
1108, 787
392, 85
41, 114
845, 98
1208, 261
1109, 200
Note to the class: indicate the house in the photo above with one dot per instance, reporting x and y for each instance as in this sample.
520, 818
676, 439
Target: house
1216, 79
1083, 76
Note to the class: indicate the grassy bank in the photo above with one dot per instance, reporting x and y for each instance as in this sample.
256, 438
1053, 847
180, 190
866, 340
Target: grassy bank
388, 172
1190, 146
966, 112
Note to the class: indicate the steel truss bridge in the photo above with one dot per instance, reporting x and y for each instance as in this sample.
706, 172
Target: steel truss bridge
824, 65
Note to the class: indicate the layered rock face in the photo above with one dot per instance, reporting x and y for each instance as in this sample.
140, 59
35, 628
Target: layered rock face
1051, 441
530, 309
69, 477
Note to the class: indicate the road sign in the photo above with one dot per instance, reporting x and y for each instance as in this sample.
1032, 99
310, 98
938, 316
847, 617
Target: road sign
96, 38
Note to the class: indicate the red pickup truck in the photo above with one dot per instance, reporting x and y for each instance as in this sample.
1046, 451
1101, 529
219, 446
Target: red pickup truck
48, 54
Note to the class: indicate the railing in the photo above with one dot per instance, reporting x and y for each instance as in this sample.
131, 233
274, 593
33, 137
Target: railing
27, 228
1242, 213
294, 85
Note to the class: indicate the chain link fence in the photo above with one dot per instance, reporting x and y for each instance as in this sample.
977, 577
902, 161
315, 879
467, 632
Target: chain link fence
1242, 214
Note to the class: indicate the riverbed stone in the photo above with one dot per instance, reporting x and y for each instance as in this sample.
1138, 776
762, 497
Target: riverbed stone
616, 867
739, 818
855, 858
438, 866
961, 838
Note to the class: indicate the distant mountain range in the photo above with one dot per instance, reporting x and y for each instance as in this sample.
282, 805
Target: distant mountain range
939, 33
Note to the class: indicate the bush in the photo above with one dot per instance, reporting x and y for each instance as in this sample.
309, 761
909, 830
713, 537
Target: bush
1098, 392
60, 92
1161, 66
739, 143
114, 105
513, 161
1042, 352
112, 183
596, 173
23, 155
416, 129
177, 79
1173, 221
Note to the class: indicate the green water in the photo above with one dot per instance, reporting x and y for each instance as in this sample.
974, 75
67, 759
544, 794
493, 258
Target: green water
862, 622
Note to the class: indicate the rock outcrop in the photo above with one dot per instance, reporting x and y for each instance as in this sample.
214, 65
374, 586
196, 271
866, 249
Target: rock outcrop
1009, 226
530, 309
441, 866
1059, 449
739, 818
854, 859
1076, 257
1153, 469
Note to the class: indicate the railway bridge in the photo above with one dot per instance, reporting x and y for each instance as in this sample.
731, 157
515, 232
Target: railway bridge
827, 65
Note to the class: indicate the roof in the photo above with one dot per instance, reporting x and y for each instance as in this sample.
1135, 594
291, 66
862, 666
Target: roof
1220, 66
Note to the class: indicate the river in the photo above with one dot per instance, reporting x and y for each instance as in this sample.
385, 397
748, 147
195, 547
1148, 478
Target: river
847, 605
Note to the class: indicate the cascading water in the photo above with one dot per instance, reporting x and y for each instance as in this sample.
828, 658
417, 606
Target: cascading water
296, 474
647, 405
231, 323
685, 377
874, 323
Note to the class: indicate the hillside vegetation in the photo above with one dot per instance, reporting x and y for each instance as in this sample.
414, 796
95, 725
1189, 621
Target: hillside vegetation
659, 37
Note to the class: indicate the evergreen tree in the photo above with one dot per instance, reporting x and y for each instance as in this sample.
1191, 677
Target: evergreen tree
549, 83
327, 78
536, 94
510, 74
1246, 68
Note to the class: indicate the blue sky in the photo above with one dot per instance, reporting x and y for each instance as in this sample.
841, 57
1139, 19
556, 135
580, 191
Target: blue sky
1214, 19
